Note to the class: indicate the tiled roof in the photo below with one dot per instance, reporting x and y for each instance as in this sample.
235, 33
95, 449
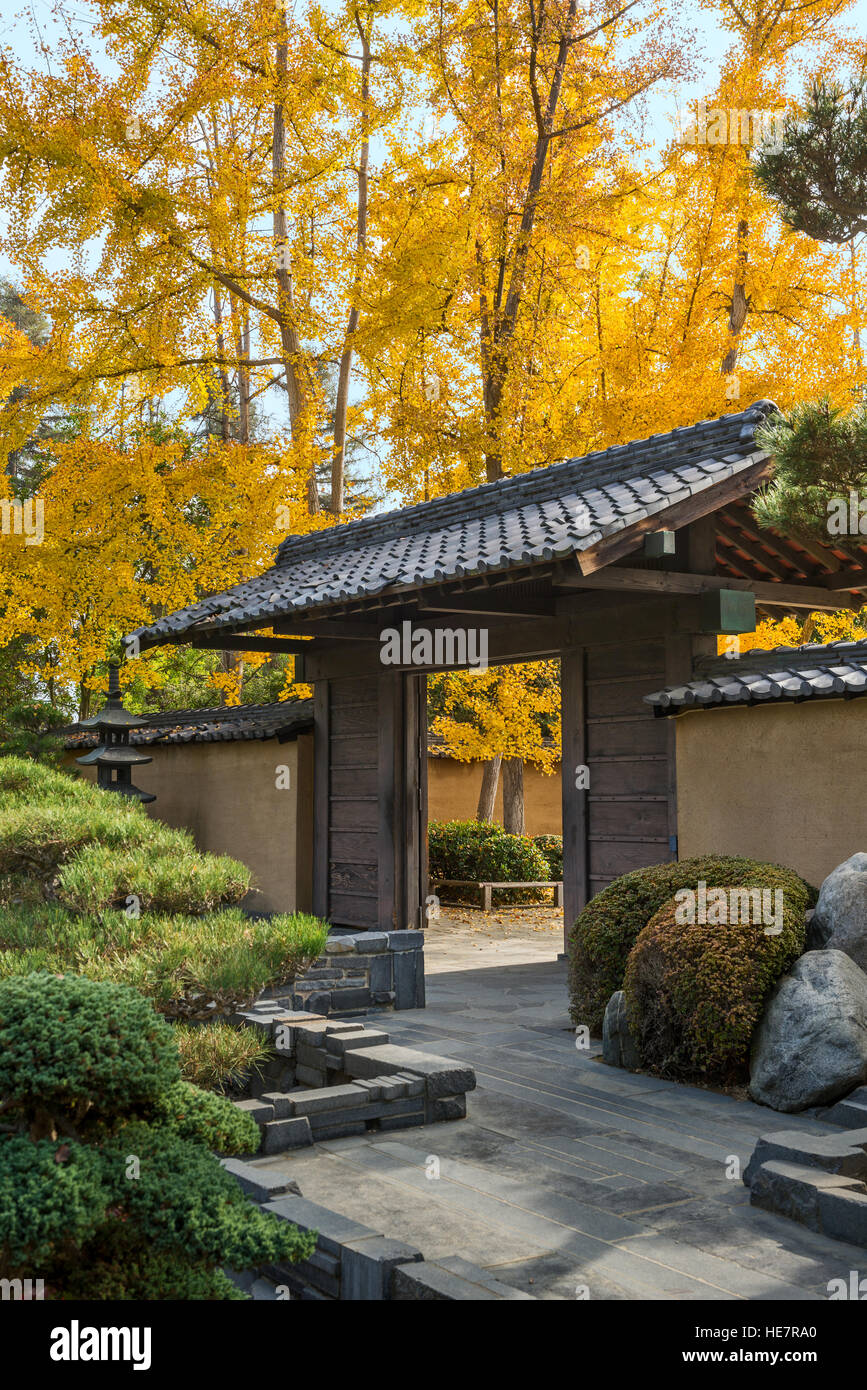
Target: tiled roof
281, 720
837, 670
535, 517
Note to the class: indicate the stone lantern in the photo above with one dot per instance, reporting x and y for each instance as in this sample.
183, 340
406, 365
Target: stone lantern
114, 759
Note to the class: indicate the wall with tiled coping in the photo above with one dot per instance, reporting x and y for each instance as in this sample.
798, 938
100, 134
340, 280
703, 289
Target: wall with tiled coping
332, 1078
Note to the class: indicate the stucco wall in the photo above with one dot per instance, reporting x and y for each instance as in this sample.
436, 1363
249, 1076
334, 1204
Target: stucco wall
453, 794
226, 795
785, 783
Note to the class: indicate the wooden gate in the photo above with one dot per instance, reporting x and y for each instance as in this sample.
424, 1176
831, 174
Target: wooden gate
624, 816
370, 800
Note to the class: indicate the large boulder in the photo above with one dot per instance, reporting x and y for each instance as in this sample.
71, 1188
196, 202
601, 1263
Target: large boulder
810, 1047
840, 920
618, 1043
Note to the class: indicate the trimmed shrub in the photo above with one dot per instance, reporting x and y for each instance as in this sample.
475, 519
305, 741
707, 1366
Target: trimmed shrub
26, 777
454, 846
608, 928
108, 1187
195, 1114
480, 851
552, 848
63, 839
69, 853
166, 881
695, 991
65, 1040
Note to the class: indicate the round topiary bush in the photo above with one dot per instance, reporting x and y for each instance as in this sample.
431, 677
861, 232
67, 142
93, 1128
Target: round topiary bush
108, 1184
67, 1043
608, 928
695, 991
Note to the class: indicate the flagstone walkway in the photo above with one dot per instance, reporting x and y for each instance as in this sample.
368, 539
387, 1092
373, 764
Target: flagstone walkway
568, 1178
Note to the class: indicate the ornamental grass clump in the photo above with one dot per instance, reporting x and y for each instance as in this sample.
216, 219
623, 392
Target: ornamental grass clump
220, 1057
108, 1186
188, 967
607, 929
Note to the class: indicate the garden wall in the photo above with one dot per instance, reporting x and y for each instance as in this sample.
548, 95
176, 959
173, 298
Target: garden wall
226, 795
453, 794
784, 783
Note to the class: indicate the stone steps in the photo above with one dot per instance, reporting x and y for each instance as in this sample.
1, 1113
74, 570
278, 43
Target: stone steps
851, 1112
819, 1181
831, 1203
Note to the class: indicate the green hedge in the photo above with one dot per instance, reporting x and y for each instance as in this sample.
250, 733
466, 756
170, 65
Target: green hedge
482, 851
695, 991
608, 928
552, 848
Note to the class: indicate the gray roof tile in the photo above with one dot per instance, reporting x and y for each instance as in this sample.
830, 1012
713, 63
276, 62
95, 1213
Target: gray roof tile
282, 719
523, 520
830, 671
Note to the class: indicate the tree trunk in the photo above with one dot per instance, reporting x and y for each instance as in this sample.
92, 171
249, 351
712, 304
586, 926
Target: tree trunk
513, 796
500, 321
338, 457
223, 374
739, 304
244, 381
297, 389
488, 793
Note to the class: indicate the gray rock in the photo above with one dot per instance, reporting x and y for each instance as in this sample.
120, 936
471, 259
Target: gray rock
839, 922
810, 1047
618, 1044
367, 1266
442, 1076
450, 1279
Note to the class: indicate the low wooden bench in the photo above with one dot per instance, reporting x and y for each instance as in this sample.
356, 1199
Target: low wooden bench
488, 888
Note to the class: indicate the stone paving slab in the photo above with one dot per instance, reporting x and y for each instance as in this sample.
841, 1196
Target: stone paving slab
566, 1172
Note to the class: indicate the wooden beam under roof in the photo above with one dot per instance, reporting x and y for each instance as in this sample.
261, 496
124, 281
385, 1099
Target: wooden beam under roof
743, 569
804, 562
755, 550
807, 596
250, 644
692, 508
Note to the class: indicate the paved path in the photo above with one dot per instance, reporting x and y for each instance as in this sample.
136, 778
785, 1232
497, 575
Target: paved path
567, 1174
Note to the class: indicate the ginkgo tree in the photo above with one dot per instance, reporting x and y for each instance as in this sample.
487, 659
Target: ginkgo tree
501, 715
203, 196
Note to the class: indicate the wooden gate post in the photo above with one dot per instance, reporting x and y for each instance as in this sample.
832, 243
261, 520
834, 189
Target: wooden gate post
574, 759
